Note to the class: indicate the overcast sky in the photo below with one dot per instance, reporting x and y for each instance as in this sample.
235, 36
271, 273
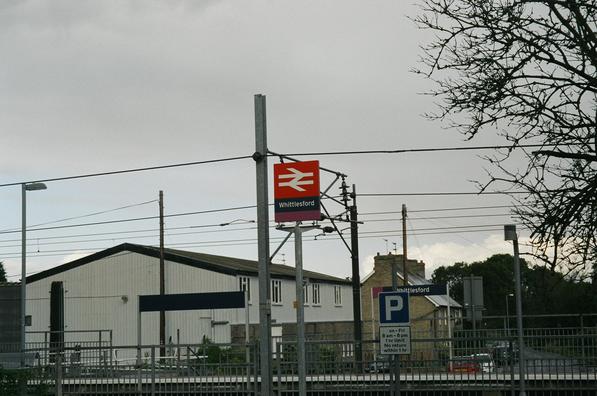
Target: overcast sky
94, 86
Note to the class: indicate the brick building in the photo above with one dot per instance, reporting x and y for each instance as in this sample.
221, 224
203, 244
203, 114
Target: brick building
428, 314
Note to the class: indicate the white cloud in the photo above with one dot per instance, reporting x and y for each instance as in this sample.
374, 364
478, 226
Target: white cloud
447, 253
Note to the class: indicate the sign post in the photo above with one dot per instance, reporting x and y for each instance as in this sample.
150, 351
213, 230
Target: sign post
394, 328
296, 198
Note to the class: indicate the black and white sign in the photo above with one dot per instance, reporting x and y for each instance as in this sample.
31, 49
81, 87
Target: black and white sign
394, 340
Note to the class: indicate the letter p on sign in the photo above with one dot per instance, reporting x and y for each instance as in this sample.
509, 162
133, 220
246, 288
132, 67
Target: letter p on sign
393, 308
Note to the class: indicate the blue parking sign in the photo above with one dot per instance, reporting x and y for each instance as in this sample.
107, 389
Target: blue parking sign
393, 308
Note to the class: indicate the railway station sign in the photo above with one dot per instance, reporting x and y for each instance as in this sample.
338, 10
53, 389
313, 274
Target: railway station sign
414, 290
296, 191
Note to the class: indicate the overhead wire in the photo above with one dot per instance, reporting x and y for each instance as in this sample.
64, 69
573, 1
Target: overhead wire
85, 215
439, 209
134, 219
437, 217
248, 242
272, 154
415, 150
130, 170
444, 193
421, 231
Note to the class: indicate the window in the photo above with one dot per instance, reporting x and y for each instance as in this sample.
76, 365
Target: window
315, 294
305, 294
244, 284
338, 295
276, 292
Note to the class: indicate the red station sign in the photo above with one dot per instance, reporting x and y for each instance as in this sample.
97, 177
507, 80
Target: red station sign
296, 191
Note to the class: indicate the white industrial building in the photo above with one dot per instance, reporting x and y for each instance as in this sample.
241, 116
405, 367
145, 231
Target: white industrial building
101, 293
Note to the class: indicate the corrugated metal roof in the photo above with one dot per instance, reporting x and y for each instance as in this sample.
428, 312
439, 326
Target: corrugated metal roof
414, 280
441, 301
223, 264
249, 266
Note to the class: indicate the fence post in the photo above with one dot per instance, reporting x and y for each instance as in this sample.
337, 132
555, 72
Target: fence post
59, 374
152, 371
256, 366
278, 364
511, 361
47, 349
582, 338
111, 354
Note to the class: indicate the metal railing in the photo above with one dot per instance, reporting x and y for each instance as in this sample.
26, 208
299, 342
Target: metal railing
560, 359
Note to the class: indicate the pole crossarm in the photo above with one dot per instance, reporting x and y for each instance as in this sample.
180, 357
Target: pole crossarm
336, 228
324, 193
279, 247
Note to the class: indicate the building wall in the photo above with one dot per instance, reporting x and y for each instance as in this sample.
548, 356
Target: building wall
103, 295
420, 307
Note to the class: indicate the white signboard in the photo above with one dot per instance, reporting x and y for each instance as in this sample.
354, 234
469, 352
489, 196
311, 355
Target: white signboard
394, 340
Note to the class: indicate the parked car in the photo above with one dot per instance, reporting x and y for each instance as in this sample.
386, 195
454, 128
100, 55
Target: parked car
475, 363
381, 365
485, 362
463, 364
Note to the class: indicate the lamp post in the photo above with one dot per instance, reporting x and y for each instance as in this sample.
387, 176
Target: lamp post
510, 235
24, 188
508, 314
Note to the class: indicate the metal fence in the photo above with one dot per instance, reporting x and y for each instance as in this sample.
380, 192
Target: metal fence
556, 359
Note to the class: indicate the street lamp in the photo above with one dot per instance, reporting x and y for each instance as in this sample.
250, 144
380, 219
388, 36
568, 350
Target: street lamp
24, 188
510, 235
508, 314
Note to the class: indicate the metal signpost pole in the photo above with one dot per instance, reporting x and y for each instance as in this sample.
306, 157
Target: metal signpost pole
395, 358
449, 327
260, 158
300, 310
510, 235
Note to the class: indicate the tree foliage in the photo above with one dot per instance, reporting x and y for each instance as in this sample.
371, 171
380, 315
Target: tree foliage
544, 291
2, 272
526, 69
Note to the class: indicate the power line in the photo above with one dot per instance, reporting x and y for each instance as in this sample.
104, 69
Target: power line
440, 209
130, 170
438, 228
417, 150
437, 217
235, 229
246, 242
227, 159
134, 219
131, 237
420, 231
12, 231
86, 215
431, 194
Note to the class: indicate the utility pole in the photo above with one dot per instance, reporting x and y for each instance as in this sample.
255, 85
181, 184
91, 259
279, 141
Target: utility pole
162, 278
356, 278
265, 314
404, 250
